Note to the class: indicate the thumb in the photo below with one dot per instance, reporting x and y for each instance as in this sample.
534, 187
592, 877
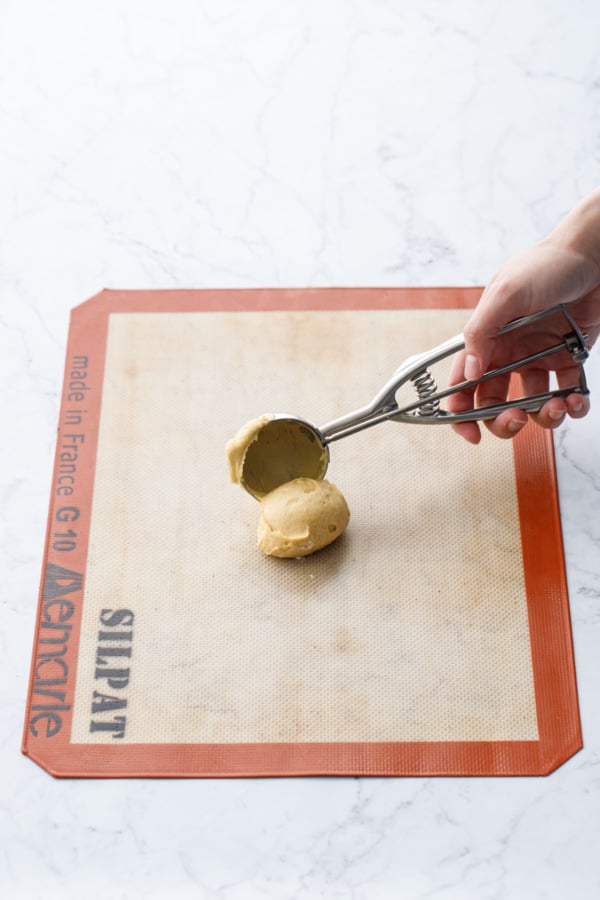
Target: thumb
479, 347
491, 314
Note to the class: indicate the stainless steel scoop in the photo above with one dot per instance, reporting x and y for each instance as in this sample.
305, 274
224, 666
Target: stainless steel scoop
306, 446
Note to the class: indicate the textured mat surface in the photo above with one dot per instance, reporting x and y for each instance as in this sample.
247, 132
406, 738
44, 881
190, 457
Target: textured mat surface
432, 638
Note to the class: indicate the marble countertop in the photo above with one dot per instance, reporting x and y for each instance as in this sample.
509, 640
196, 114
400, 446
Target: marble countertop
217, 143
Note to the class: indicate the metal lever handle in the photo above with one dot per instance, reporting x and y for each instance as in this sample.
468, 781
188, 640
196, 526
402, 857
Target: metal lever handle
425, 410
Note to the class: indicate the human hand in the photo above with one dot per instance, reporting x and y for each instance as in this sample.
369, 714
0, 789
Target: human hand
550, 273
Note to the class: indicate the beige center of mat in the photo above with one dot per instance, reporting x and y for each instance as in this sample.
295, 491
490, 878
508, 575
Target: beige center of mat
412, 627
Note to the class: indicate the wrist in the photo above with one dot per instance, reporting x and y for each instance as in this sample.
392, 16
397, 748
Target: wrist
579, 234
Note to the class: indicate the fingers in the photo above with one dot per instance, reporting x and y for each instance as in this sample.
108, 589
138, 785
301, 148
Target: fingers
509, 422
578, 405
553, 413
463, 401
490, 393
500, 302
479, 334
469, 431
550, 272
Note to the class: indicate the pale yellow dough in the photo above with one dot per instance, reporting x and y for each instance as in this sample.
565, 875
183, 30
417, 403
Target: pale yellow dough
237, 447
298, 514
300, 517
271, 450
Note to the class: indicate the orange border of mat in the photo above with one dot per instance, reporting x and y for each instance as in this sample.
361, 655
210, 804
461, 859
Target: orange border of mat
50, 700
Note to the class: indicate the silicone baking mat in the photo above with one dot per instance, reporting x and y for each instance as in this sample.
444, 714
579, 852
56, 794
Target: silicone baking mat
433, 638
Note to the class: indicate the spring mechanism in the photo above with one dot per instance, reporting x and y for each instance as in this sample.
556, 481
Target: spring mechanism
426, 387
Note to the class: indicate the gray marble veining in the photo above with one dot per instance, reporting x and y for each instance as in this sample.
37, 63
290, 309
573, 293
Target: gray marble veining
263, 143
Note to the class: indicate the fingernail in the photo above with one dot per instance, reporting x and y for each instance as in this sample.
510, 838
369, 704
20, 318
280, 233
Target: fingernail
577, 406
514, 425
471, 367
556, 415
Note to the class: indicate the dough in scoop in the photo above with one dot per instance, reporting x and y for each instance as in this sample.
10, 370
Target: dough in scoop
301, 516
272, 450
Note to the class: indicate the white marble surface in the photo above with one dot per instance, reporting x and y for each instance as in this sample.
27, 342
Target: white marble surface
241, 143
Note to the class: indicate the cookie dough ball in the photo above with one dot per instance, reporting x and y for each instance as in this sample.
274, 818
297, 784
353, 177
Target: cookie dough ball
300, 517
